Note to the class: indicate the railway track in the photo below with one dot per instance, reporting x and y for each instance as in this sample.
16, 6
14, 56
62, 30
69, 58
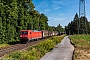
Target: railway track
15, 47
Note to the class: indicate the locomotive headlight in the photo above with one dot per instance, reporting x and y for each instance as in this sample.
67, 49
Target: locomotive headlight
20, 36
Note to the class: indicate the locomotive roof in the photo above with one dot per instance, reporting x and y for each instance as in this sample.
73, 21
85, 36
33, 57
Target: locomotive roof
32, 30
36, 30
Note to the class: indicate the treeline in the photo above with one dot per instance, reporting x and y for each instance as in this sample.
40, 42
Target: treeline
16, 15
74, 27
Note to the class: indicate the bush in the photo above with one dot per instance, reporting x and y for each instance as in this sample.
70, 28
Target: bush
36, 52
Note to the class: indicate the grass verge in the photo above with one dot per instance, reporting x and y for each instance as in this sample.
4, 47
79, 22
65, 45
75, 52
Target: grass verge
35, 52
4, 45
82, 46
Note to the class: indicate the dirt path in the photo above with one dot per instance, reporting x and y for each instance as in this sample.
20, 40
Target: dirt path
63, 51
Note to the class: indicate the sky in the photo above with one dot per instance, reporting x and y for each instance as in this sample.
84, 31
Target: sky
60, 11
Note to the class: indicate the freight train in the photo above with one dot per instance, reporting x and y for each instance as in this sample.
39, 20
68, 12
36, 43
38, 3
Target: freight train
29, 35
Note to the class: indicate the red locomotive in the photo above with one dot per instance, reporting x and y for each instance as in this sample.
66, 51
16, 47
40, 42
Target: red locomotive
28, 35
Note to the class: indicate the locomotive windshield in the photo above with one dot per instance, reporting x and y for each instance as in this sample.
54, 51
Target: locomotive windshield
24, 32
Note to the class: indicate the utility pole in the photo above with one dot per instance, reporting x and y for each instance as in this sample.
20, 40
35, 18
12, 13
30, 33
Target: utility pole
82, 28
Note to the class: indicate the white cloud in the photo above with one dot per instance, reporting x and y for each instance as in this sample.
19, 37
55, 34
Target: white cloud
57, 2
61, 2
50, 17
57, 7
45, 11
55, 18
54, 21
58, 19
88, 17
43, 4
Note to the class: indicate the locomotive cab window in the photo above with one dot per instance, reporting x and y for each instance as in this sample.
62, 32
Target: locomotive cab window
24, 32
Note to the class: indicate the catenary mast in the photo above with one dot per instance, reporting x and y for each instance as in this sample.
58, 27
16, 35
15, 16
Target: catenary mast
82, 28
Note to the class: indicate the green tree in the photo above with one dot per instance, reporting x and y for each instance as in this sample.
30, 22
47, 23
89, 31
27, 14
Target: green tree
43, 22
73, 27
16, 15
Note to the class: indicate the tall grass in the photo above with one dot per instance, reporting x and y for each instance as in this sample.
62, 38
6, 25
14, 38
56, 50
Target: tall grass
82, 46
35, 52
82, 40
